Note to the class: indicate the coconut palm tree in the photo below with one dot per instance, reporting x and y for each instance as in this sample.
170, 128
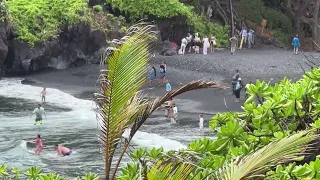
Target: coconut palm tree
120, 103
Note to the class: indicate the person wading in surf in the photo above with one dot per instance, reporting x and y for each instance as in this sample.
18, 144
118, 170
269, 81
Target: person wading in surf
39, 111
39, 144
62, 150
43, 95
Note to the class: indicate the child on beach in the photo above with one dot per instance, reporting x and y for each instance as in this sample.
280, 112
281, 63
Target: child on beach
39, 144
168, 87
201, 124
43, 95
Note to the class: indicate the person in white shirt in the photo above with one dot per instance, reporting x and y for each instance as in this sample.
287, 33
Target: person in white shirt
175, 114
244, 34
201, 123
39, 111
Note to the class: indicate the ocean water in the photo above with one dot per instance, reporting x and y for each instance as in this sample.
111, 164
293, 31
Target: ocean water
72, 123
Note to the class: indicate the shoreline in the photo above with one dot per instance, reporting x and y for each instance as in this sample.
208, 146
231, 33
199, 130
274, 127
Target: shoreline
269, 64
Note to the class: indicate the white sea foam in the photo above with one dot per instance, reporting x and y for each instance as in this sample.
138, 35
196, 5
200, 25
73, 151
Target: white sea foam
81, 116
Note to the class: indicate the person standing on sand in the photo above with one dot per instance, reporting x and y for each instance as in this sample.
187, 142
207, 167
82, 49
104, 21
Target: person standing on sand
244, 35
206, 45
234, 42
43, 95
250, 38
168, 87
234, 81
238, 90
175, 112
201, 124
163, 72
296, 44
152, 75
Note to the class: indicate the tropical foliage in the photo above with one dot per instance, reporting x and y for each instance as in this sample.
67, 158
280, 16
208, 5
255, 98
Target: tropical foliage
205, 159
40, 20
35, 173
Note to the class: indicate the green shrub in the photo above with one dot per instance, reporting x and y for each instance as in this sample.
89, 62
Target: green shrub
255, 10
39, 20
37, 173
163, 9
205, 28
97, 8
282, 37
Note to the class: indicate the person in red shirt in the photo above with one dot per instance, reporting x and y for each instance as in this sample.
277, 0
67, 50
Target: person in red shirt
39, 144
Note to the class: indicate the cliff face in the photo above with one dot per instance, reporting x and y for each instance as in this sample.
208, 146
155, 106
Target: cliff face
74, 47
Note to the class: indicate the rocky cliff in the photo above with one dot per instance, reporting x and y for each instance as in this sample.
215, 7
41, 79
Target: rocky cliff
74, 46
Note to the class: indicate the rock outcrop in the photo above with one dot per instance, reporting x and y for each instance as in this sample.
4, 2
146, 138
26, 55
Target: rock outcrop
74, 46
168, 49
3, 44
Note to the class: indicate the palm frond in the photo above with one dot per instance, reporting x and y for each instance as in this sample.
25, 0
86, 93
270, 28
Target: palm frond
153, 104
174, 166
279, 152
118, 101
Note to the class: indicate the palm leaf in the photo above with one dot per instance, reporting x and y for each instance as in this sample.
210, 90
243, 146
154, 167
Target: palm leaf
118, 101
257, 164
174, 166
181, 164
153, 104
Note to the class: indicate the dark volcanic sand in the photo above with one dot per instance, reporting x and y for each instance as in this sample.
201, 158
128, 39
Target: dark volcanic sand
265, 64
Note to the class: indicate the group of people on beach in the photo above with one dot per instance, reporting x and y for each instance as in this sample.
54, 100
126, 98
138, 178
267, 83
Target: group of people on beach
39, 112
163, 72
245, 36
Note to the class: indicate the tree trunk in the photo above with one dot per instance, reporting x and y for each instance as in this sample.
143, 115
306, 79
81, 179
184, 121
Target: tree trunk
316, 25
299, 13
231, 17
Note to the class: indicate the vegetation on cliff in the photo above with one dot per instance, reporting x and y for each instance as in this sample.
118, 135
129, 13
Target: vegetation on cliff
40, 20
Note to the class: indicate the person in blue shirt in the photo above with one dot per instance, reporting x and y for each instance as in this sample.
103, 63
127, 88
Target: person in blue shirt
168, 87
296, 44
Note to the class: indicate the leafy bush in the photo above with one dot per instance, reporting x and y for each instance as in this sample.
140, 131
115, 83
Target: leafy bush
37, 173
282, 36
169, 8
97, 8
40, 20
163, 9
292, 171
256, 11
269, 114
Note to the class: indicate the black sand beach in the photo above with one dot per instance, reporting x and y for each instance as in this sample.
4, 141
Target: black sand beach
269, 64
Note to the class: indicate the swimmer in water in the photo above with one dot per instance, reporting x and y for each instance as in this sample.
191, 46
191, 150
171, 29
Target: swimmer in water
62, 150
39, 144
43, 95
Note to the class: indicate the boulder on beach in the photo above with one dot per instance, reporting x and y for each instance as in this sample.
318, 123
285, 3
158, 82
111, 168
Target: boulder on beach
168, 49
